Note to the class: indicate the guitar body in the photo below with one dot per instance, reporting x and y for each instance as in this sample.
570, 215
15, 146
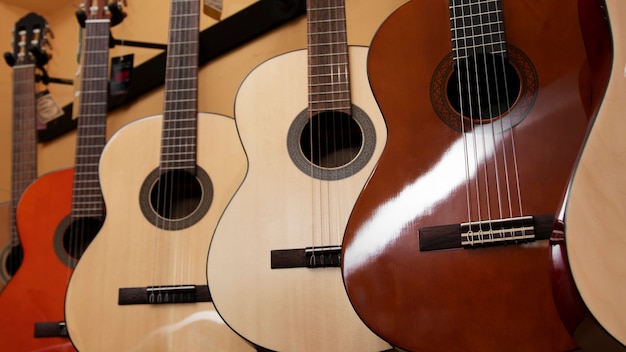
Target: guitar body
491, 298
278, 207
587, 256
129, 251
5, 240
37, 291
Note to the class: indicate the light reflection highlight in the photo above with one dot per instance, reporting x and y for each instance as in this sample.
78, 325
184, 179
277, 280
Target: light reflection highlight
418, 198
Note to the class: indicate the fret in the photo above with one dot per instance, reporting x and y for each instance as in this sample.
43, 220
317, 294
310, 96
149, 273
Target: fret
181, 81
339, 108
91, 129
476, 27
182, 161
326, 8
24, 143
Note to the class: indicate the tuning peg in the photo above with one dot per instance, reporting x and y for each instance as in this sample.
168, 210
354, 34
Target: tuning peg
40, 57
9, 58
47, 32
117, 16
81, 16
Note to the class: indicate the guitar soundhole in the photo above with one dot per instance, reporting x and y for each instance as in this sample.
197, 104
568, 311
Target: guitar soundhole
331, 145
13, 261
176, 199
483, 87
72, 236
79, 235
176, 195
331, 139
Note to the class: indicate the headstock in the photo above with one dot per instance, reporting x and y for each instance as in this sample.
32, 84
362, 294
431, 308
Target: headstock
30, 37
99, 9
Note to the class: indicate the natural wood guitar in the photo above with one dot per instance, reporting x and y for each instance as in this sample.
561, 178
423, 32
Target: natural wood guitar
446, 247
30, 33
587, 260
141, 284
312, 133
60, 212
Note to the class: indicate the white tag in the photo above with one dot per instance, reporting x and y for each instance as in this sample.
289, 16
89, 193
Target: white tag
47, 107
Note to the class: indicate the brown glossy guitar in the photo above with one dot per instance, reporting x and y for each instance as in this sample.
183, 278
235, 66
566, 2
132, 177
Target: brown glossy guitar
587, 259
30, 33
446, 248
60, 212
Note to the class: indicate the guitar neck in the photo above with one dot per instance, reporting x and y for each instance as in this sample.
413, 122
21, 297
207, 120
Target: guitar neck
24, 145
329, 80
178, 141
477, 28
87, 198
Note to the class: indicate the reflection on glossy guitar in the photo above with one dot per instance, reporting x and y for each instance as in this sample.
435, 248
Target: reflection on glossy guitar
30, 36
141, 284
588, 265
312, 142
446, 247
60, 212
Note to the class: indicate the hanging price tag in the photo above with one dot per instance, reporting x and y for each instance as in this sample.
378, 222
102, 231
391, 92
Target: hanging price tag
47, 107
213, 8
121, 74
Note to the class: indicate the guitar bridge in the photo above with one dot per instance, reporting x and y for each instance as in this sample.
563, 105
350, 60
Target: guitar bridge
51, 329
486, 233
164, 294
309, 257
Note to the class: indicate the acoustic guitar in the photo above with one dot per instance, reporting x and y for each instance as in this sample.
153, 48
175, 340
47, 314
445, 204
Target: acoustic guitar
5, 237
587, 243
141, 284
30, 34
312, 132
60, 212
446, 248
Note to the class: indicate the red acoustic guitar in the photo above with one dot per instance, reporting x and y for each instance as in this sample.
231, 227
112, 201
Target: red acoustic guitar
29, 34
446, 248
588, 265
61, 212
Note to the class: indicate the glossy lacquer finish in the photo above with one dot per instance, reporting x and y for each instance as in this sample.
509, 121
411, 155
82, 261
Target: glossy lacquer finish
588, 243
495, 298
5, 235
37, 291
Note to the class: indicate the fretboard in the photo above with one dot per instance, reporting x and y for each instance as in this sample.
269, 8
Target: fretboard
90, 138
477, 27
24, 141
178, 140
329, 80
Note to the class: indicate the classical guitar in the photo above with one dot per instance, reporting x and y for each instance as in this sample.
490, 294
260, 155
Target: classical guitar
312, 132
141, 284
446, 248
5, 237
60, 212
587, 260
30, 34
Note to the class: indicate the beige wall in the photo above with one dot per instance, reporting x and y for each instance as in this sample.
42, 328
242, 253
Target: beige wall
147, 21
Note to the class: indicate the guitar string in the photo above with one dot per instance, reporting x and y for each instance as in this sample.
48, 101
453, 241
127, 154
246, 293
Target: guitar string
462, 109
481, 111
310, 113
502, 110
335, 83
